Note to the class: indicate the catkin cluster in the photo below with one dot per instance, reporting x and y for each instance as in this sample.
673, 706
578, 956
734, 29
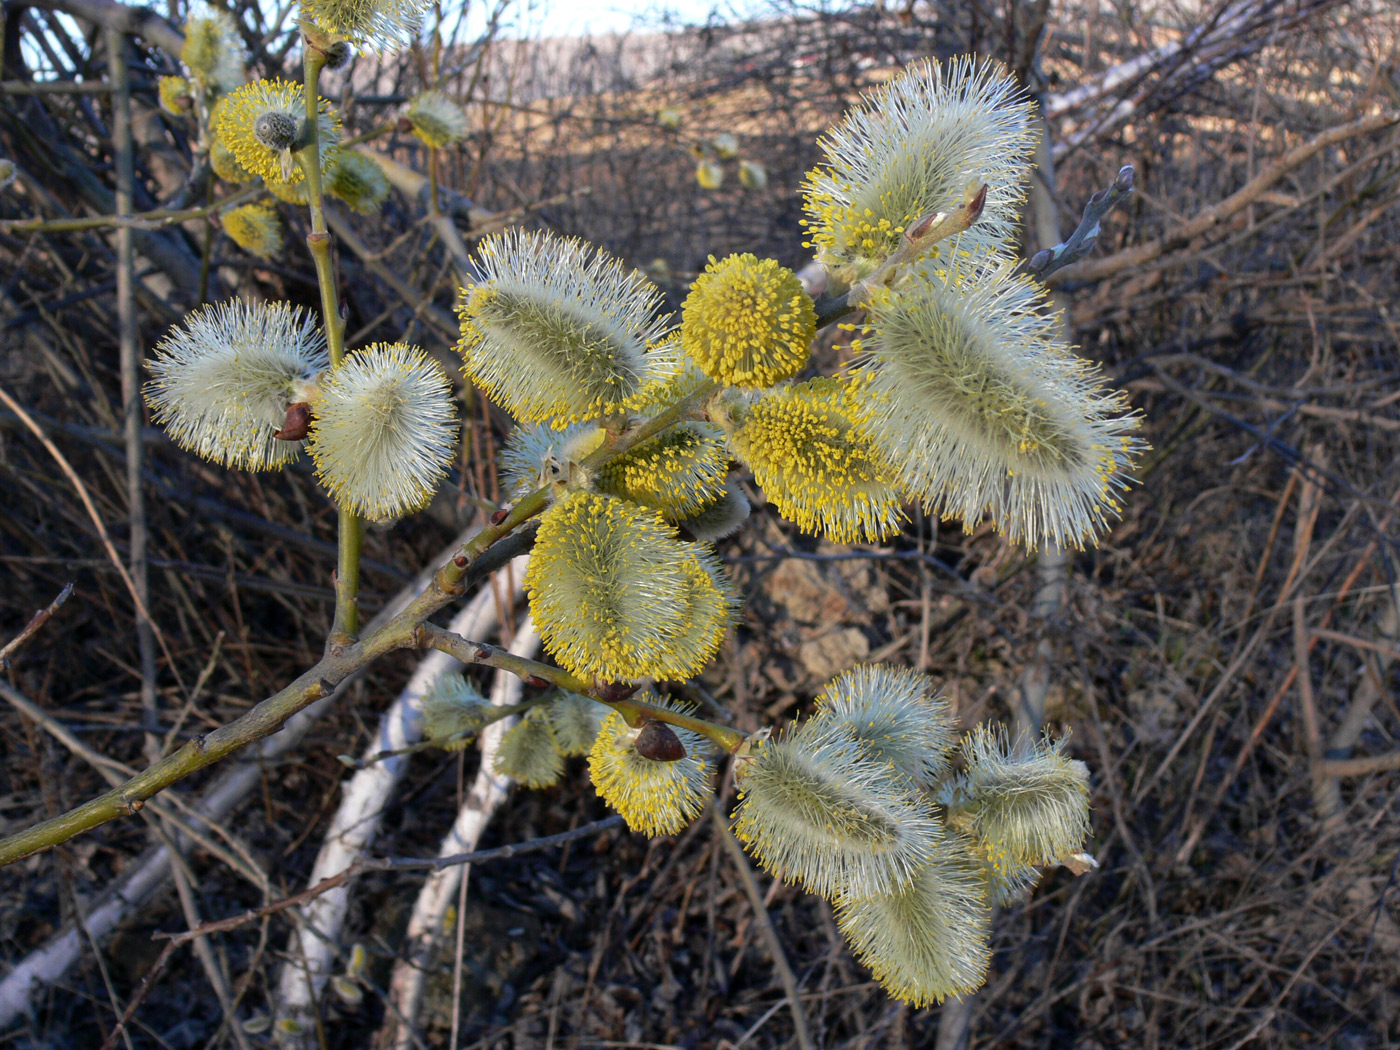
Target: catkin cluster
861, 804
960, 397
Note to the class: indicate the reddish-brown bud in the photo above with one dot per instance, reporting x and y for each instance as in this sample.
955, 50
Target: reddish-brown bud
615, 691
535, 680
460, 561
296, 423
658, 742
499, 516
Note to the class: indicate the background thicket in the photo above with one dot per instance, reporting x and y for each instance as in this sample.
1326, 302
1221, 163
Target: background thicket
1225, 660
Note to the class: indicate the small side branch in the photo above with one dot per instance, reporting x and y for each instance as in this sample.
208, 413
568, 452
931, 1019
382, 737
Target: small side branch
1081, 241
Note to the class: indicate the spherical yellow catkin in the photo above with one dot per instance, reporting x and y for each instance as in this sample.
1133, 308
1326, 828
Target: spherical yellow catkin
276, 104
618, 596
748, 322
811, 452
678, 472
654, 797
255, 228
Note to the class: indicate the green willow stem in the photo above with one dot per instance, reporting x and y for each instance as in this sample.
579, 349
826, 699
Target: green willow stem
150, 220
430, 636
490, 549
346, 624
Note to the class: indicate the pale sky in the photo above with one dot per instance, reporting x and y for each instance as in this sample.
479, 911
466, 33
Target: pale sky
574, 17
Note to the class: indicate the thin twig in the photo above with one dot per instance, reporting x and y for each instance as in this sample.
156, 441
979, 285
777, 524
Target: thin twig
765, 926
32, 627
389, 864
131, 384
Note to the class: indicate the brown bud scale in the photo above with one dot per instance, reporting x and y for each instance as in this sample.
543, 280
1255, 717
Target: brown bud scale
658, 742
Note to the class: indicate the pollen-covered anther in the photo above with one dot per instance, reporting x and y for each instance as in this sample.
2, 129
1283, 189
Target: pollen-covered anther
748, 322
812, 454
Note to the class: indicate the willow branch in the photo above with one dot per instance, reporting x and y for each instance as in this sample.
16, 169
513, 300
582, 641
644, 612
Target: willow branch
430, 636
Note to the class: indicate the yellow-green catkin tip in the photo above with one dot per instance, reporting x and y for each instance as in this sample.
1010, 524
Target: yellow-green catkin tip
213, 52
176, 95
226, 165
375, 25
983, 412
437, 119
358, 180
812, 453
385, 429
576, 720
814, 808
678, 472
709, 175
896, 717
255, 228
654, 797
910, 150
454, 713
928, 940
1026, 803
260, 123
8, 173
528, 751
748, 322
618, 596
557, 331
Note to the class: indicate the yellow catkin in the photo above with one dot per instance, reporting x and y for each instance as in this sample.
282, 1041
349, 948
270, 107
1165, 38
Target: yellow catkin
748, 322
812, 456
